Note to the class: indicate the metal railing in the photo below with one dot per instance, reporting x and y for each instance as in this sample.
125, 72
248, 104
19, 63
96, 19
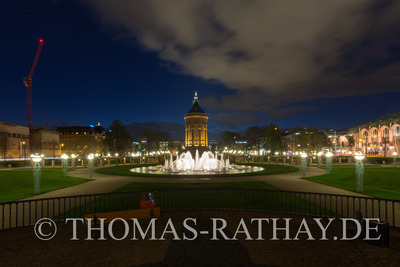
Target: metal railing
27, 212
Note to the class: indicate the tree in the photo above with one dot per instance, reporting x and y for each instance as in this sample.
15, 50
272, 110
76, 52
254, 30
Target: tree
83, 145
154, 138
310, 139
254, 136
291, 139
228, 139
118, 139
273, 138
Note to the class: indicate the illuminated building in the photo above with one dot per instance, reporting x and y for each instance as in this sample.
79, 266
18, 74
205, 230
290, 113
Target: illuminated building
14, 141
82, 140
379, 137
45, 142
196, 136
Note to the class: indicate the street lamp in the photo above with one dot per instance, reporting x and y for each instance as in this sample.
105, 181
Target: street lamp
73, 159
65, 163
36, 172
23, 148
359, 170
394, 154
91, 157
328, 162
319, 159
303, 163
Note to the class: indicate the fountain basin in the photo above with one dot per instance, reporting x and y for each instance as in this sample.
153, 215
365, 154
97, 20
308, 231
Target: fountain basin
162, 172
208, 164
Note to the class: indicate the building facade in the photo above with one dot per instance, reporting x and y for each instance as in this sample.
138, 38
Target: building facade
82, 140
379, 137
333, 139
45, 142
14, 141
196, 135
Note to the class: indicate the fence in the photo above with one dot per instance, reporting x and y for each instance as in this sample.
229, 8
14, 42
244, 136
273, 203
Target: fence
27, 212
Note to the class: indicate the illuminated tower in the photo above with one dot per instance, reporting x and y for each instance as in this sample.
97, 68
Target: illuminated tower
196, 127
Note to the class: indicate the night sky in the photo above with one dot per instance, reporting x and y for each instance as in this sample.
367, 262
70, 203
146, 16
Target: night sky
320, 63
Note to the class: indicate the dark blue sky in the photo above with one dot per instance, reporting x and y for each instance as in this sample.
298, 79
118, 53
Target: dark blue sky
93, 71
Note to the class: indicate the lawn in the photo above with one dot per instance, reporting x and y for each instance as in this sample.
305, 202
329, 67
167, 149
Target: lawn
18, 184
269, 169
383, 182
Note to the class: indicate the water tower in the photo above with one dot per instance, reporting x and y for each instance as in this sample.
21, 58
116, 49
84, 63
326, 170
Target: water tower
196, 127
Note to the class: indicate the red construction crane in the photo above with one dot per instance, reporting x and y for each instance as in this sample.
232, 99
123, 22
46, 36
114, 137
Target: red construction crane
28, 84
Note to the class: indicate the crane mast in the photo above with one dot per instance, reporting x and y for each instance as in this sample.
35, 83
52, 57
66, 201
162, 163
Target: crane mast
28, 84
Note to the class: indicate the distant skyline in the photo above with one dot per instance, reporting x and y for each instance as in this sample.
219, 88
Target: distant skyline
311, 63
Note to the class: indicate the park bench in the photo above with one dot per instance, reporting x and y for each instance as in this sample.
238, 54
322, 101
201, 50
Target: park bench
125, 214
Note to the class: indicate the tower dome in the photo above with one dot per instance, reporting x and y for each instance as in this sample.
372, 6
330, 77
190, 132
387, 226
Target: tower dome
196, 126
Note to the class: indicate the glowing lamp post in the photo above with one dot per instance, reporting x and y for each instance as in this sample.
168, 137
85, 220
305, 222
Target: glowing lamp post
91, 157
329, 162
36, 172
319, 159
303, 163
73, 161
65, 163
359, 170
394, 158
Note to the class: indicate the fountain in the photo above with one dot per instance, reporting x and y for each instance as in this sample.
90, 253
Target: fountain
196, 140
208, 164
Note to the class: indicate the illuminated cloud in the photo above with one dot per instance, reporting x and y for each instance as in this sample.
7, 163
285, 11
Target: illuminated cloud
272, 54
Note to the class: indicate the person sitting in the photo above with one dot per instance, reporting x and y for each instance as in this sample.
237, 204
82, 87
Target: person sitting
147, 202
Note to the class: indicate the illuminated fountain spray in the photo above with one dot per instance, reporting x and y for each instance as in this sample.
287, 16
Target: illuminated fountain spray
207, 162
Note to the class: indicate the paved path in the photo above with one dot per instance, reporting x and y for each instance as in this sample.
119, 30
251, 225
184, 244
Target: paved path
103, 183
345, 205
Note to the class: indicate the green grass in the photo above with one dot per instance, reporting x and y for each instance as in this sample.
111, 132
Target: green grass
269, 169
382, 182
18, 184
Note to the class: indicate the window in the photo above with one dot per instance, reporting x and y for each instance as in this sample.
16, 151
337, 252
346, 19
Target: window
375, 133
386, 132
396, 131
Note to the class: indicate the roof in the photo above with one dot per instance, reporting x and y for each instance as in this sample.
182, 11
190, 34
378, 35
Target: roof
12, 125
385, 120
91, 129
195, 109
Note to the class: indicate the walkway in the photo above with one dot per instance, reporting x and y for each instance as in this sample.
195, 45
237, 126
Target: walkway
346, 203
103, 183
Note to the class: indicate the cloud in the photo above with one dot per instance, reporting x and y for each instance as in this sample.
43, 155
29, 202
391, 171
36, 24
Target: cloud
273, 54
